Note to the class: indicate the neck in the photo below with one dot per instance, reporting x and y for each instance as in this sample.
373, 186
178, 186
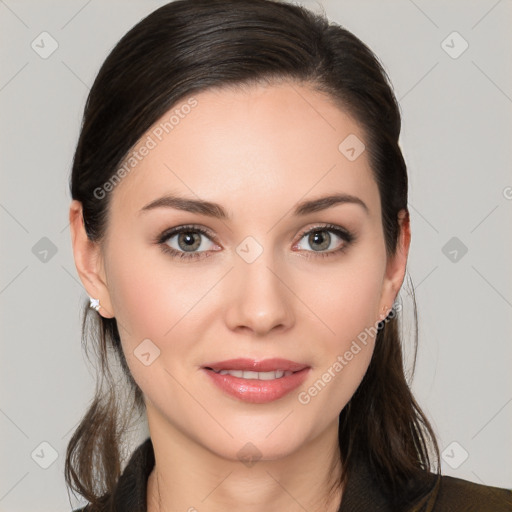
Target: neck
189, 477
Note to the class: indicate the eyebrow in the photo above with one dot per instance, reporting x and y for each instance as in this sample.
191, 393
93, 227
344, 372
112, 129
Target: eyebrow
217, 211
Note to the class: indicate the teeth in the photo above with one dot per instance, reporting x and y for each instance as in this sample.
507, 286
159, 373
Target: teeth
255, 375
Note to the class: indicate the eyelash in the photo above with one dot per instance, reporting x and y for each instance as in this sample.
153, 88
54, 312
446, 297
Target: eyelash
161, 240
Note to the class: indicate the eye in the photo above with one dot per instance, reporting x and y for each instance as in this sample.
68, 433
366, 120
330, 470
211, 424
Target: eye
186, 242
322, 241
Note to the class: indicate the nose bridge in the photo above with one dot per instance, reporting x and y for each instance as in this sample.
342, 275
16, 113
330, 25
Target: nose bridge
259, 299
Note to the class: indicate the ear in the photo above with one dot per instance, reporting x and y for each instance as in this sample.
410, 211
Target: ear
396, 265
89, 260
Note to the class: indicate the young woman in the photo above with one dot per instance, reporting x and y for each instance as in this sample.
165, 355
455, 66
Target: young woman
239, 220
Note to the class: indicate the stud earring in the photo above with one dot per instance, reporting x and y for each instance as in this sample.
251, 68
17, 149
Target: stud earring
94, 303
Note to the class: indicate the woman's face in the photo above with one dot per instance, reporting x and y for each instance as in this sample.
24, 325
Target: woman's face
270, 279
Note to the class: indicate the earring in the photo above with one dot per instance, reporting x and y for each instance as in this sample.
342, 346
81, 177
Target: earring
94, 303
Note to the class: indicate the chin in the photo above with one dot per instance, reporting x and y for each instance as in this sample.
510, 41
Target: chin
249, 451
259, 439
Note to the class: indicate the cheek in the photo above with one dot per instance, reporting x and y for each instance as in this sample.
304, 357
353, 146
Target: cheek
347, 302
347, 299
149, 297
151, 302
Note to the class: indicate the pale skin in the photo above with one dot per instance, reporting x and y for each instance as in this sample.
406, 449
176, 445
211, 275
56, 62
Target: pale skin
257, 153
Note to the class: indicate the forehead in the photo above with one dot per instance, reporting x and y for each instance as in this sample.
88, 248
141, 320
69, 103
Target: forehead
243, 146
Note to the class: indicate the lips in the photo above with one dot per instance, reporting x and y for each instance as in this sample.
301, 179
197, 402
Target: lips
244, 374
257, 381
250, 365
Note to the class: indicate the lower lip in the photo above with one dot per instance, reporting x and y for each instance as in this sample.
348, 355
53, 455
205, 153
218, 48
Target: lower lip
258, 391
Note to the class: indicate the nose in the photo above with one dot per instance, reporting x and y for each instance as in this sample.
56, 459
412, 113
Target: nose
259, 299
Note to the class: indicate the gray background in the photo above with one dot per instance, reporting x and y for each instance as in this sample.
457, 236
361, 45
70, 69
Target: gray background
456, 140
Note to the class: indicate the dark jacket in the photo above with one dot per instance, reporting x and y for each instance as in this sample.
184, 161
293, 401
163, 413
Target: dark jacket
447, 494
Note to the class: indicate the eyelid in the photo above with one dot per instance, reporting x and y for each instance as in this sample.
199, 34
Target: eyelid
168, 233
340, 231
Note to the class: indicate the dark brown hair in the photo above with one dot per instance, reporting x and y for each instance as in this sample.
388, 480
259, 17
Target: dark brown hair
183, 48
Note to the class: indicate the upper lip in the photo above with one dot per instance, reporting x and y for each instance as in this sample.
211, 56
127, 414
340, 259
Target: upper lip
265, 365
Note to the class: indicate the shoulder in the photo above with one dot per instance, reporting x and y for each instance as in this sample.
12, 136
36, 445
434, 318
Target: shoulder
455, 494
